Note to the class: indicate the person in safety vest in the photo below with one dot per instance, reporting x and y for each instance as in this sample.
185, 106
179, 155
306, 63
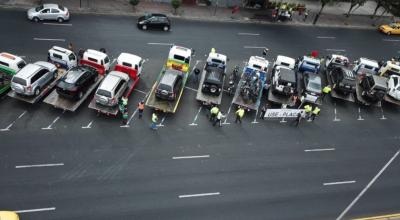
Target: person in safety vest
326, 90
239, 115
154, 119
308, 109
315, 112
214, 112
141, 108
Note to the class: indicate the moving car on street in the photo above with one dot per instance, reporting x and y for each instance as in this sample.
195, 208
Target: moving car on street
393, 28
53, 12
154, 21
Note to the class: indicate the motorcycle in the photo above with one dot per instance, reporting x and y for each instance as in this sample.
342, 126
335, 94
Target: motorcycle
232, 80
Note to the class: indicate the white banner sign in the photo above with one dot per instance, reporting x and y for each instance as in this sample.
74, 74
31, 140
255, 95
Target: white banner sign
283, 113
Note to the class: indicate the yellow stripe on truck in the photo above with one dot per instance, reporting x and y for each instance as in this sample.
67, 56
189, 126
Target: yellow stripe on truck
382, 217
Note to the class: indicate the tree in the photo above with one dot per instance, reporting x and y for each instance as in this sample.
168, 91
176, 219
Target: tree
353, 4
134, 2
379, 4
323, 4
176, 4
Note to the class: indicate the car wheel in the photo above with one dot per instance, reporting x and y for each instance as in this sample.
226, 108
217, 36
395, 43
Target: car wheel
60, 20
166, 28
144, 27
35, 19
37, 91
389, 33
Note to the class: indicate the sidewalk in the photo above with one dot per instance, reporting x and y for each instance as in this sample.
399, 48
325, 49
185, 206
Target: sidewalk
332, 16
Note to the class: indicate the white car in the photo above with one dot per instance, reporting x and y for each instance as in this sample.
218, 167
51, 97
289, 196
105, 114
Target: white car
394, 87
53, 12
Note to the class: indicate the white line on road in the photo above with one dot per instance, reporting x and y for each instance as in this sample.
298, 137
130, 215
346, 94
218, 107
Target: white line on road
48, 39
359, 115
253, 47
195, 117
320, 149
368, 186
338, 183
194, 90
12, 123
391, 40
52, 123
336, 50
40, 165
336, 119
191, 157
163, 44
255, 118
57, 24
227, 114
383, 116
325, 37
162, 121
88, 126
36, 210
199, 195
143, 92
249, 34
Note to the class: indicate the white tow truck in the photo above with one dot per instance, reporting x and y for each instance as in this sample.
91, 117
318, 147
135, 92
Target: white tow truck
367, 70
391, 70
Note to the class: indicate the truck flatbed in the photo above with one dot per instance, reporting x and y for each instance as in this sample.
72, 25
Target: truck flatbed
279, 99
361, 99
238, 99
206, 98
44, 92
68, 104
349, 97
390, 99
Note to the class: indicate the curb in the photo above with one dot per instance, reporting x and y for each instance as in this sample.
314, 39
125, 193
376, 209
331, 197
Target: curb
86, 11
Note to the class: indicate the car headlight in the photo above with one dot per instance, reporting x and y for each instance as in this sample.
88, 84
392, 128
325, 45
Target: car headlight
141, 22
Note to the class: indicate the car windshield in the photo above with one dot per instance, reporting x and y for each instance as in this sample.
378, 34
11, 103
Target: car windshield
19, 81
72, 76
164, 87
104, 93
39, 8
393, 25
314, 86
181, 58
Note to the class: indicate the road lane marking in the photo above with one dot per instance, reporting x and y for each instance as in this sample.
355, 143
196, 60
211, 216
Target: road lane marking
325, 37
57, 24
48, 39
194, 90
143, 92
12, 123
40, 165
335, 119
339, 183
336, 50
227, 114
36, 210
52, 123
255, 118
191, 157
391, 40
383, 116
253, 47
199, 195
368, 186
359, 115
162, 44
249, 34
88, 126
162, 121
195, 117
319, 149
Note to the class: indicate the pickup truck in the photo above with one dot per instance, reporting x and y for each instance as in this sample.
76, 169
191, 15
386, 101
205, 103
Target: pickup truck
284, 81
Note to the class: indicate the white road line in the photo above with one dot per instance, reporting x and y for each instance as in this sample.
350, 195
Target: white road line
325, 37
163, 44
12, 123
199, 195
359, 115
336, 50
320, 149
338, 183
40, 165
194, 90
162, 121
249, 34
191, 157
335, 119
143, 92
253, 47
52, 123
36, 210
255, 118
391, 40
383, 116
227, 114
368, 186
195, 117
48, 39
88, 126
57, 24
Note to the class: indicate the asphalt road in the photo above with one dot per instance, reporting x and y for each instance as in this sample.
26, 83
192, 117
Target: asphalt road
254, 170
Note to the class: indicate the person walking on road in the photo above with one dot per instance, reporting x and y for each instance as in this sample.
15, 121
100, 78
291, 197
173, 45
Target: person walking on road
154, 119
315, 113
125, 116
140, 109
298, 119
218, 119
326, 90
239, 115
196, 75
214, 112
308, 109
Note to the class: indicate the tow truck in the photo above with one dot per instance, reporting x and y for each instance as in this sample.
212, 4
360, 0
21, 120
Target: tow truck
132, 66
65, 104
391, 70
178, 59
343, 72
284, 79
371, 89
251, 84
212, 80
45, 90
9, 65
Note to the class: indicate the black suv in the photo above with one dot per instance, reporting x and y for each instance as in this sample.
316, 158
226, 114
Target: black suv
343, 79
156, 21
213, 81
169, 85
76, 82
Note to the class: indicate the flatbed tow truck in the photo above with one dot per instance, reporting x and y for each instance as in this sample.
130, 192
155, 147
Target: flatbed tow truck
132, 66
359, 91
65, 104
218, 62
44, 91
179, 59
256, 67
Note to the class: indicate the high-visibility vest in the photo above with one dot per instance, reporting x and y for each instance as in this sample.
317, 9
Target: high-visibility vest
141, 106
307, 108
124, 101
326, 89
154, 118
316, 111
240, 112
214, 110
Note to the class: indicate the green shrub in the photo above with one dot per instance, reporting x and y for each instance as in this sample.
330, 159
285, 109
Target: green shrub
176, 4
134, 2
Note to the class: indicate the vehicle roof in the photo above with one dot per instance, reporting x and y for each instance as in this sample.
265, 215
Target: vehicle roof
61, 50
286, 74
156, 14
260, 61
285, 59
380, 81
338, 56
9, 58
46, 65
368, 62
348, 73
28, 70
50, 5
8, 215
311, 60
74, 74
313, 77
217, 56
95, 53
182, 51
128, 58
169, 76
393, 64
112, 79
214, 74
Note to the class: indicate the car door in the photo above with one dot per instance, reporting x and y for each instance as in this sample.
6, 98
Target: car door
44, 14
54, 13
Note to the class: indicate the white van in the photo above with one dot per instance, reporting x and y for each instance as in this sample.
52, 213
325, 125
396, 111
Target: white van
389, 68
11, 63
97, 57
62, 57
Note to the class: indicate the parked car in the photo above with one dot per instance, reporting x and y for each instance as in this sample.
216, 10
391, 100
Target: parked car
31, 79
48, 12
169, 85
393, 28
213, 80
156, 21
312, 87
76, 82
394, 87
283, 81
112, 88
343, 79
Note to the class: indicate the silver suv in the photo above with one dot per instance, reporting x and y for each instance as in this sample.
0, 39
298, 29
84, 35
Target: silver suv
31, 79
53, 12
112, 88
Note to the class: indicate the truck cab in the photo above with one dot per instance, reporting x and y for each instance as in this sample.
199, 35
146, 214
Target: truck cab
62, 57
336, 60
179, 58
9, 66
373, 87
258, 63
131, 63
96, 59
285, 61
366, 66
389, 68
308, 64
